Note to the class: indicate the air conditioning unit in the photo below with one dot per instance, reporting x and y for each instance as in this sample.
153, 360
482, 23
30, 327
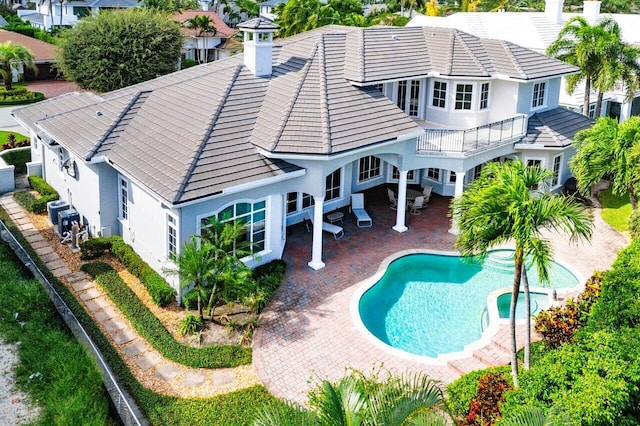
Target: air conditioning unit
66, 219
55, 207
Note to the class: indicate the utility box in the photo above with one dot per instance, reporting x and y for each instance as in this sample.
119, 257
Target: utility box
66, 219
55, 207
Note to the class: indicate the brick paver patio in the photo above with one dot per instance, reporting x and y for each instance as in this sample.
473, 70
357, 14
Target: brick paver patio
307, 333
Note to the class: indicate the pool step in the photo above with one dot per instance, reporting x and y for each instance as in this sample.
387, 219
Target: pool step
466, 365
493, 354
501, 260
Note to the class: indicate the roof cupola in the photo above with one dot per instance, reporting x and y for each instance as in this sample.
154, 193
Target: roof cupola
258, 45
553, 10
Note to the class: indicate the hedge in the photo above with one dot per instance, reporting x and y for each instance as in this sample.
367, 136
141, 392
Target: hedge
37, 97
236, 408
152, 329
46, 191
19, 159
25, 199
94, 247
159, 290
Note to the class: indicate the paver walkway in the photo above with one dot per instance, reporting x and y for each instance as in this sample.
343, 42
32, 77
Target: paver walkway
149, 367
307, 334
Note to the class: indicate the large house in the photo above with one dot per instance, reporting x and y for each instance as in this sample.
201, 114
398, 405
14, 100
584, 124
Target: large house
290, 129
52, 13
204, 45
43, 57
536, 31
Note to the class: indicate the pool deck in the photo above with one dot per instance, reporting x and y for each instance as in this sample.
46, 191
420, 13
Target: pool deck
307, 334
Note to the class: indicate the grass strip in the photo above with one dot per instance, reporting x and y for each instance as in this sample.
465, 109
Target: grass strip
55, 369
233, 409
616, 210
148, 326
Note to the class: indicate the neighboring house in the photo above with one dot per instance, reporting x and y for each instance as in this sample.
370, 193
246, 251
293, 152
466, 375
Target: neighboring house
537, 30
209, 44
44, 54
268, 8
66, 13
3, 22
291, 128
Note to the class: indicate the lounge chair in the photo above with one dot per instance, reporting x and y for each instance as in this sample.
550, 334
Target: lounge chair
363, 220
335, 230
392, 199
427, 193
414, 207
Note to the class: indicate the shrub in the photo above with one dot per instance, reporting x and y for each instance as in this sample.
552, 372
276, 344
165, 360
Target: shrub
484, 408
94, 247
27, 98
463, 390
159, 290
19, 159
148, 326
25, 199
634, 224
190, 324
190, 300
46, 191
188, 63
558, 324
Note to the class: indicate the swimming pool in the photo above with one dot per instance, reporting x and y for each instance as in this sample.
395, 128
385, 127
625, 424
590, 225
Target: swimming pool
430, 304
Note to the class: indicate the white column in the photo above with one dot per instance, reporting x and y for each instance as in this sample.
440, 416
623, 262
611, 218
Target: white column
457, 193
316, 253
625, 110
402, 202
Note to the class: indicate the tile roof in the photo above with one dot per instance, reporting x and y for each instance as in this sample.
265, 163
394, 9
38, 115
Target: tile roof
43, 52
217, 22
202, 130
117, 4
556, 127
259, 23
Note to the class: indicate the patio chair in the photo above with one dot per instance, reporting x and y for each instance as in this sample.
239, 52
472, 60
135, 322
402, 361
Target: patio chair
414, 208
363, 220
335, 230
392, 199
427, 193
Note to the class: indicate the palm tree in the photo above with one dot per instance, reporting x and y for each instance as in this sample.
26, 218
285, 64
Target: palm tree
584, 46
606, 150
534, 416
203, 26
354, 400
506, 204
12, 57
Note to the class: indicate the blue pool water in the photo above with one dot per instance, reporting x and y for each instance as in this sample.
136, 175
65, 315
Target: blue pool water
429, 304
539, 302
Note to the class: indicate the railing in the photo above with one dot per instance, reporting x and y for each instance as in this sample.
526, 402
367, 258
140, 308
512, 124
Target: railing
483, 137
123, 403
484, 320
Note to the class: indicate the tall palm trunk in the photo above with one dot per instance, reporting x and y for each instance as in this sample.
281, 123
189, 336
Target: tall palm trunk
587, 94
527, 316
512, 315
633, 199
211, 304
599, 104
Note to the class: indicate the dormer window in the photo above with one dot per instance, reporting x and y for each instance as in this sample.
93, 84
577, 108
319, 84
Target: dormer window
464, 93
538, 94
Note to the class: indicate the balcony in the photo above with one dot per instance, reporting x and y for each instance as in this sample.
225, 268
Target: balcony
471, 140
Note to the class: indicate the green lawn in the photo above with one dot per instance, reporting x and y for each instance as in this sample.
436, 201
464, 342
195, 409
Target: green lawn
616, 210
4, 134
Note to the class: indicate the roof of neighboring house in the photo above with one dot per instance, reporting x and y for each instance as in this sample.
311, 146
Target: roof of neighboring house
119, 4
43, 52
272, 3
222, 29
34, 18
556, 128
533, 30
3, 22
200, 131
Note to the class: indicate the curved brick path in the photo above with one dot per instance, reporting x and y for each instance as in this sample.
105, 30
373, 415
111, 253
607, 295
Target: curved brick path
307, 332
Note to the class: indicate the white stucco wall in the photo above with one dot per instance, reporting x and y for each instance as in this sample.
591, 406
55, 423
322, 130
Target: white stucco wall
525, 96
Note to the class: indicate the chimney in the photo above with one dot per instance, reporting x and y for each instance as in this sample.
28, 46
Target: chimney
204, 4
591, 11
553, 10
258, 45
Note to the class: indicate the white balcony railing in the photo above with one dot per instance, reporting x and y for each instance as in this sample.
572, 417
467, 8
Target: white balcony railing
469, 140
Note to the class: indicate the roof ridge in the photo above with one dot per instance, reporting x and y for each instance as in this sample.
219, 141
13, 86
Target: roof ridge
461, 35
136, 97
292, 101
507, 46
451, 52
207, 135
324, 104
361, 62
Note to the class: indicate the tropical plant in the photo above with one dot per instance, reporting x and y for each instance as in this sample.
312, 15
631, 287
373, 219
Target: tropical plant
169, 5
506, 204
535, 416
196, 266
118, 48
297, 16
584, 46
12, 57
413, 398
190, 324
609, 150
204, 27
